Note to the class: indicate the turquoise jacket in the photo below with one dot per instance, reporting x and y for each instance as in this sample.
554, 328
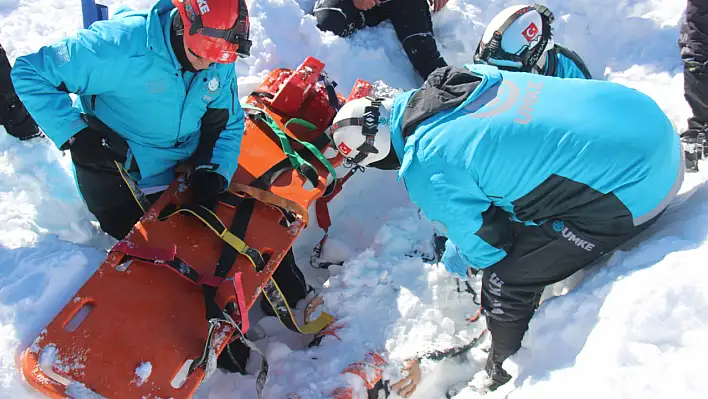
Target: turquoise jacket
124, 72
528, 148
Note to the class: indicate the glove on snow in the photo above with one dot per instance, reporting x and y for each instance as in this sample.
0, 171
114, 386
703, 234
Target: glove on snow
206, 187
453, 261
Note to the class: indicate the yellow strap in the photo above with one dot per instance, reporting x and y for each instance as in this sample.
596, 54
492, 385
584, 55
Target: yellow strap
139, 197
270, 198
234, 241
312, 327
228, 237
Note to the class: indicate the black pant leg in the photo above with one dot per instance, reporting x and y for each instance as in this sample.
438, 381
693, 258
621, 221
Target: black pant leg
541, 256
13, 114
291, 282
108, 197
693, 42
338, 16
696, 92
414, 27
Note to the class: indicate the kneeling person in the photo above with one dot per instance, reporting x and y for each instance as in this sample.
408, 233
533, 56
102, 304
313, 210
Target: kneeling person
525, 194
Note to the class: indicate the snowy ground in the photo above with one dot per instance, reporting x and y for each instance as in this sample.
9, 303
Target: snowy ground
636, 327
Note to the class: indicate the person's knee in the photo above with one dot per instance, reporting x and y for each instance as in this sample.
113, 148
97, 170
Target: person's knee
333, 19
423, 53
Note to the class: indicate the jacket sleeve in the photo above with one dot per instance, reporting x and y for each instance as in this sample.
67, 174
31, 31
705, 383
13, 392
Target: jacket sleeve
84, 65
570, 64
222, 131
479, 232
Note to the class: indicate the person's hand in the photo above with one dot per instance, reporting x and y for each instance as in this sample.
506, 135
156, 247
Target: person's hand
87, 148
437, 4
364, 5
406, 386
206, 186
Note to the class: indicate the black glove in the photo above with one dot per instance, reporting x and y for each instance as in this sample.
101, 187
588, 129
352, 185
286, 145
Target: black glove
206, 187
87, 148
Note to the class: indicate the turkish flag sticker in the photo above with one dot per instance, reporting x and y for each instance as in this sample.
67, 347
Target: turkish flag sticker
530, 32
344, 149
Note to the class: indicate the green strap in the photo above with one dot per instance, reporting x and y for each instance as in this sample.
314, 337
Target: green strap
299, 163
311, 147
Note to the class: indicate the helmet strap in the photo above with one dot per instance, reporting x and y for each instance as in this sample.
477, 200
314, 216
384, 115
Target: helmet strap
541, 46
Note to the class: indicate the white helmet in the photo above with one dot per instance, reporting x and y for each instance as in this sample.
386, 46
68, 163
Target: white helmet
360, 130
517, 38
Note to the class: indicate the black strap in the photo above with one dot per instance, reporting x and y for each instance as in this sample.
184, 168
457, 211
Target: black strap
228, 256
331, 93
551, 63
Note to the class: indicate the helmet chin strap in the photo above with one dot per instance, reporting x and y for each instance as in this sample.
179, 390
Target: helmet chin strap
369, 128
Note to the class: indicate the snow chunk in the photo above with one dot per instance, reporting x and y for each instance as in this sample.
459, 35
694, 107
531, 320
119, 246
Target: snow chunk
143, 372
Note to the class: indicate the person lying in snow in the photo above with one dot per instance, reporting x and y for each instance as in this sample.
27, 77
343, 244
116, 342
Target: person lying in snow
694, 52
411, 20
520, 38
13, 114
528, 195
153, 92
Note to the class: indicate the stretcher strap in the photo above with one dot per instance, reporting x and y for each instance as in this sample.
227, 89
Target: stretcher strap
137, 193
268, 198
272, 292
282, 309
212, 221
161, 257
298, 162
324, 221
208, 359
167, 258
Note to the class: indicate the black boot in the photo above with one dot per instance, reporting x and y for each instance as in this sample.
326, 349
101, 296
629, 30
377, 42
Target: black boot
496, 373
234, 358
694, 146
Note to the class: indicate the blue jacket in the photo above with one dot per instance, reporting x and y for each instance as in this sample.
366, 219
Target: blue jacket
565, 63
529, 148
125, 72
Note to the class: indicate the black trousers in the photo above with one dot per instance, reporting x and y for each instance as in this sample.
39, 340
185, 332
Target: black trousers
541, 256
109, 198
693, 42
13, 114
410, 18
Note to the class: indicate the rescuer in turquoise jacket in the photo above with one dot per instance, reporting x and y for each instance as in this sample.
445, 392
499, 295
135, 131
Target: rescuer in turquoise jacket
531, 177
153, 92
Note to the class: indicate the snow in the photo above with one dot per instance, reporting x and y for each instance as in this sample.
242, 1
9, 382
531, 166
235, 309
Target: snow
143, 372
634, 327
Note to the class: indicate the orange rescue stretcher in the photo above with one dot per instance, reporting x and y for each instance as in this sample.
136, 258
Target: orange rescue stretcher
140, 327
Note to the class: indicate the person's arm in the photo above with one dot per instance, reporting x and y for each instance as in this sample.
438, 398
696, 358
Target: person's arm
479, 232
571, 65
222, 132
84, 65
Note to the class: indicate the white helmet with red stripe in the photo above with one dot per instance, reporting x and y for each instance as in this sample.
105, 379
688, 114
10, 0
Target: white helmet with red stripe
360, 130
517, 38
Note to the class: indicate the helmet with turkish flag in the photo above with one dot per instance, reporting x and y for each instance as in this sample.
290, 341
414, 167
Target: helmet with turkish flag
215, 30
517, 38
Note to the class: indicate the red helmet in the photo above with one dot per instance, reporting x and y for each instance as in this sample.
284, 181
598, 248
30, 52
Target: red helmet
216, 30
